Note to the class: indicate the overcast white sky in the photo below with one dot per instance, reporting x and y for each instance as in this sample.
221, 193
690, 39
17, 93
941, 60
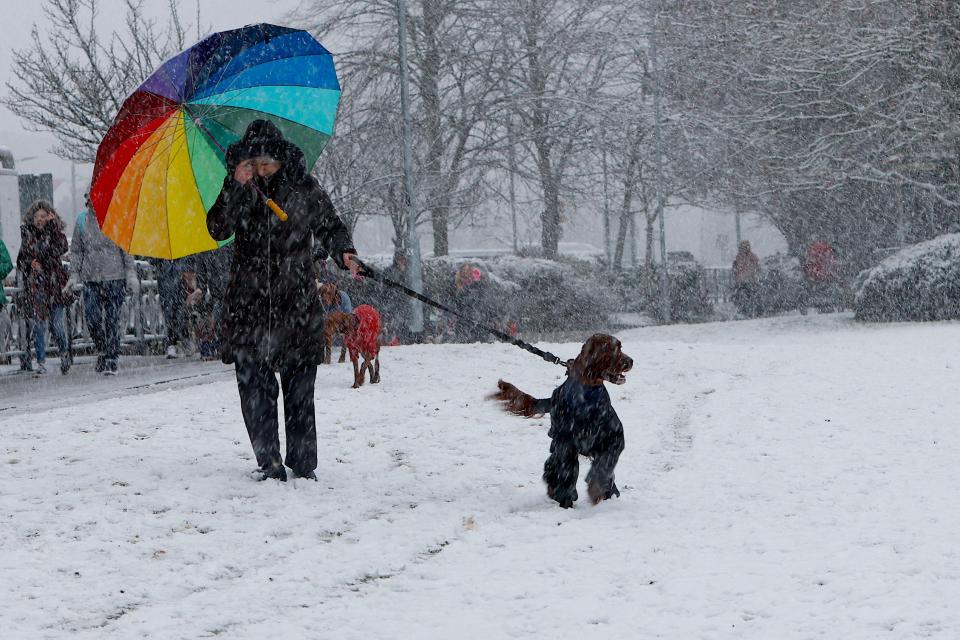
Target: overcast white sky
20, 15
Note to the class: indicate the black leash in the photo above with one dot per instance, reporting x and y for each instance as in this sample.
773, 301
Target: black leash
375, 275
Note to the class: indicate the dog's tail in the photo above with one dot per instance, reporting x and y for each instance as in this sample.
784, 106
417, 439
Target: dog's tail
520, 403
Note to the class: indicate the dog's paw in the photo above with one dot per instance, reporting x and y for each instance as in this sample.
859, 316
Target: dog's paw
598, 493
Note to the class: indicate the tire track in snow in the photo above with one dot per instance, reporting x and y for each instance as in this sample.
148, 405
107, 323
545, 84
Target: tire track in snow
678, 438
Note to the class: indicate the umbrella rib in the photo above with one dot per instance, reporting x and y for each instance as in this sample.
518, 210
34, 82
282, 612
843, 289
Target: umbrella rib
213, 56
154, 144
166, 200
165, 126
227, 109
152, 150
233, 77
224, 67
179, 93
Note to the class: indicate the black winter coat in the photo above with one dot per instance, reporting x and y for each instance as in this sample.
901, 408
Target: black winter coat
272, 313
44, 288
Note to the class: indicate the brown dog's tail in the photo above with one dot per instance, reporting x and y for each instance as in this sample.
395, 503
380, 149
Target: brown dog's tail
520, 403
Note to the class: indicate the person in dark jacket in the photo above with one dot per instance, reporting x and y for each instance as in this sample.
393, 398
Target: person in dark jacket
172, 302
331, 297
470, 295
40, 260
107, 272
272, 321
746, 281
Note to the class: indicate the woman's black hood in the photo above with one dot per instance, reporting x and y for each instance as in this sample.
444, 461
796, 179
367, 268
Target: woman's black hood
263, 138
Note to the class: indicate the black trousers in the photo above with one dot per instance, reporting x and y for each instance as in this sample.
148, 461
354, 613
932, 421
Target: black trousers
172, 295
258, 388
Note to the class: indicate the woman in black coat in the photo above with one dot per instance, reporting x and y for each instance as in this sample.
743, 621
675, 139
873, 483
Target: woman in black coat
40, 261
272, 320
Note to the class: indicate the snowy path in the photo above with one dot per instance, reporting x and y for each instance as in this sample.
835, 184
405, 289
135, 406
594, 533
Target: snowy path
22, 392
786, 478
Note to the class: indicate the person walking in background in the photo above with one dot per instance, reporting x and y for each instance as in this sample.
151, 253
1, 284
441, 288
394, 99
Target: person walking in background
212, 269
470, 295
173, 302
272, 319
746, 281
43, 245
822, 277
200, 314
331, 297
106, 272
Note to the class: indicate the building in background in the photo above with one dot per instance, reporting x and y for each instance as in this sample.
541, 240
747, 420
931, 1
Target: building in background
17, 192
9, 202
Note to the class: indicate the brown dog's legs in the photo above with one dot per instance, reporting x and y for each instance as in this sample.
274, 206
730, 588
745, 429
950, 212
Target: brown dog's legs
357, 375
328, 343
367, 366
343, 353
375, 376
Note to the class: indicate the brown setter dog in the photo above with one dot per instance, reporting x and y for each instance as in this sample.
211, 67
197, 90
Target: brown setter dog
361, 336
336, 322
582, 421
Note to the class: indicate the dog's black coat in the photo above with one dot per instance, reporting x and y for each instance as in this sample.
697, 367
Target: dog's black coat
582, 423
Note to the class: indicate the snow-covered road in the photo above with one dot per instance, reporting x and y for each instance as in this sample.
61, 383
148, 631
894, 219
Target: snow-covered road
785, 478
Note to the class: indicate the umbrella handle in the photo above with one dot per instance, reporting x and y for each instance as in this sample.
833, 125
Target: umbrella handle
280, 213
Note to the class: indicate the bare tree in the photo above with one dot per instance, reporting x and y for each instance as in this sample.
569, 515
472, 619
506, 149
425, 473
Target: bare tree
452, 85
831, 119
72, 80
555, 61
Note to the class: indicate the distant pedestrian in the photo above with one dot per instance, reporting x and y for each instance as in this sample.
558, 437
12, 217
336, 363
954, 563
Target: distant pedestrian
746, 281
821, 271
107, 272
43, 246
471, 298
331, 297
200, 315
213, 274
820, 262
173, 302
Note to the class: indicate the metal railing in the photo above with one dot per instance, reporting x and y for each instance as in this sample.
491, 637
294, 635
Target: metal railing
718, 283
141, 321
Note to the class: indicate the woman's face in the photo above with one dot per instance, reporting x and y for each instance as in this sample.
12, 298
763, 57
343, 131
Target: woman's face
266, 166
41, 217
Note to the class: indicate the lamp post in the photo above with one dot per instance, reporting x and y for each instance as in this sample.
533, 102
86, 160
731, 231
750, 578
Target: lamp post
414, 266
658, 138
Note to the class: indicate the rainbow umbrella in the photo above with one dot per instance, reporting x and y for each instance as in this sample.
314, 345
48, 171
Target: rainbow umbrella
161, 165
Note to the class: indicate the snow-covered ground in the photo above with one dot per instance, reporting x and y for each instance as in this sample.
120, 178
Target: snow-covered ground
795, 477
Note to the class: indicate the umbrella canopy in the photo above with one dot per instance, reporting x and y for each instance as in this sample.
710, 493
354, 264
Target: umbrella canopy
161, 165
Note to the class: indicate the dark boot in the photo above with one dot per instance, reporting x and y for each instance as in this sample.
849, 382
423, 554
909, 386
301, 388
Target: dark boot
273, 472
309, 475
